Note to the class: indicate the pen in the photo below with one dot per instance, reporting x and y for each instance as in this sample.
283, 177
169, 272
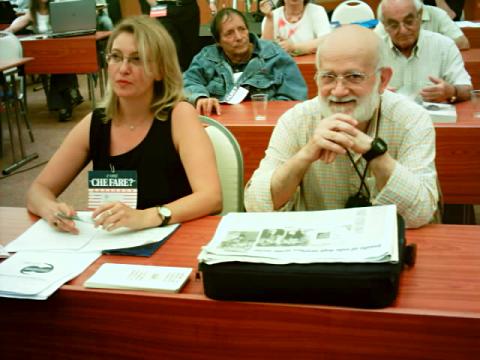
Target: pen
62, 215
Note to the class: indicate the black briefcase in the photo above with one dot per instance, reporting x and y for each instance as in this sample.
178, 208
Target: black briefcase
365, 285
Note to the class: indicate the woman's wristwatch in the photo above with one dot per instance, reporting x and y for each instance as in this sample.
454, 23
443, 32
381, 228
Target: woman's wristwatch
165, 215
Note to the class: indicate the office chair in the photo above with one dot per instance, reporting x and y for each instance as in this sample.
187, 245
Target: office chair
12, 49
352, 11
229, 164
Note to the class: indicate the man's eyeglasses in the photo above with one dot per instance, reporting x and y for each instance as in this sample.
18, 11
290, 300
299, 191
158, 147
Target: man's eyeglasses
350, 78
118, 58
408, 22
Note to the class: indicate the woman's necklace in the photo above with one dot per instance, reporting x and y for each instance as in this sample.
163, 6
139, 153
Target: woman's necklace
293, 17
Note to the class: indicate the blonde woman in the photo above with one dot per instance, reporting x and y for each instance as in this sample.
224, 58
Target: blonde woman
144, 127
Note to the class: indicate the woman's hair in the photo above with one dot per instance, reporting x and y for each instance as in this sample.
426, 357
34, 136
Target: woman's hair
282, 2
33, 8
220, 17
156, 49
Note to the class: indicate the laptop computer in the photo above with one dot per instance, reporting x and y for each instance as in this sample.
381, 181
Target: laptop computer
73, 18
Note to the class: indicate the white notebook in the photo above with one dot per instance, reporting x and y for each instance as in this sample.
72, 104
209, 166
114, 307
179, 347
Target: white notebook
139, 277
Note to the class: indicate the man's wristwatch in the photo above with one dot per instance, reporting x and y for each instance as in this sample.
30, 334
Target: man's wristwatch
453, 98
378, 147
165, 214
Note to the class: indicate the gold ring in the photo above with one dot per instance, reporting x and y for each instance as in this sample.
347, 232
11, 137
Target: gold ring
109, 212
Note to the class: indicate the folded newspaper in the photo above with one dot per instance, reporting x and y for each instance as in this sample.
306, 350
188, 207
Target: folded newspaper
367, 234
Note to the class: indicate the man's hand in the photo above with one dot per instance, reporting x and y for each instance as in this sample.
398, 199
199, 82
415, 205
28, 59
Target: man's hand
205, 106
438, 92
332, 136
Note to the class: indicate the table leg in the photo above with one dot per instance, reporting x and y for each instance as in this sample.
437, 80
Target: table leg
91, 89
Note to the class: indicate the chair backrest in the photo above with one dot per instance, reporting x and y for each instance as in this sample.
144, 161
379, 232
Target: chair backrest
229, 164
10, 45
352, 11
11, 49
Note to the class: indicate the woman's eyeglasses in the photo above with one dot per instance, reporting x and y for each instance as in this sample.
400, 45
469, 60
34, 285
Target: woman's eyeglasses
118, 58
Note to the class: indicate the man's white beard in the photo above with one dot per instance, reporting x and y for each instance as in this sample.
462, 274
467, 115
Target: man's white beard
363, 111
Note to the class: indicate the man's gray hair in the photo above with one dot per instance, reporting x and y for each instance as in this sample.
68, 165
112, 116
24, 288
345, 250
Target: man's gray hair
418, 5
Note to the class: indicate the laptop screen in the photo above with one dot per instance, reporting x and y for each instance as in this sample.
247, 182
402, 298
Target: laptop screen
73, 15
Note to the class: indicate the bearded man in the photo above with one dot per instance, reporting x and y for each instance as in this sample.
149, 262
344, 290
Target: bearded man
354, 144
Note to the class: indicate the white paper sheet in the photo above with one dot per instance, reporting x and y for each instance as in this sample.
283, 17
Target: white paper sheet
36, 275
41, 237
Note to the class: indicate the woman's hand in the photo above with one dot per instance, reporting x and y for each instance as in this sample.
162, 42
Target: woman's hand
53, 215
112, 216
288, 46
213, 8
266, 7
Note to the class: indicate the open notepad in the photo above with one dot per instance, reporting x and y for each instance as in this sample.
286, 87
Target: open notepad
139, 277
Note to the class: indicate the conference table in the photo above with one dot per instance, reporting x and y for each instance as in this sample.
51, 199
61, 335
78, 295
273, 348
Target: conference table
457, 160
473, 35
306, 64
436, 315
68, 55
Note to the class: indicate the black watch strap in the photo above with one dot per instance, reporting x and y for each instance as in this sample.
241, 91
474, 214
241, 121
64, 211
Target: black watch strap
379, 147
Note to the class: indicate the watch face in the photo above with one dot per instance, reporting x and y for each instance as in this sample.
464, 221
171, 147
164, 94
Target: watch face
380, 146
165, 212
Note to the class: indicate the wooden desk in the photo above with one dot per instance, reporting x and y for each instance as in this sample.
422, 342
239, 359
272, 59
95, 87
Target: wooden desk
458, 153
473, 36
471, 57
306, 64
71, 55
436, 315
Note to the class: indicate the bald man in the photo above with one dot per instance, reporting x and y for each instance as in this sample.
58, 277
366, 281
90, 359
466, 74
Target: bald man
321, 148
437, 20
426, 65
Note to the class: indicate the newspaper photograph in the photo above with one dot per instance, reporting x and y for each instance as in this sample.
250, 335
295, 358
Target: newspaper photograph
347, 235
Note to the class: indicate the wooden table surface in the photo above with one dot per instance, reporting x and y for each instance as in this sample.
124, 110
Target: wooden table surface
473, 36
69, 55
8, 64
436, 315
458, 153
306, 64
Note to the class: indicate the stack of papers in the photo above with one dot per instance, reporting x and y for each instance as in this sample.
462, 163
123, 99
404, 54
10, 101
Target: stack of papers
45, 258
367, 234
41, 237
139, 277
440, 112
36, 275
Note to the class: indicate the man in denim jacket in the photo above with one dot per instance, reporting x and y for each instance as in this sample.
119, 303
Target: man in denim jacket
238, 66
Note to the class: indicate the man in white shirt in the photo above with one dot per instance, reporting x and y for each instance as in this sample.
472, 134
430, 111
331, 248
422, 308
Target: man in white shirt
437, 20
426, 65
